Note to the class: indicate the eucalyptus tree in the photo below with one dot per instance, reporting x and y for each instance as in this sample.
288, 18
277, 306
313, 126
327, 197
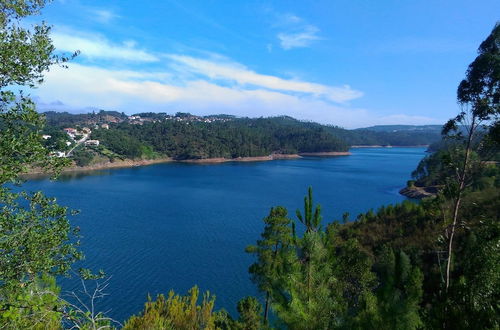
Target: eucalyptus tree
479, 98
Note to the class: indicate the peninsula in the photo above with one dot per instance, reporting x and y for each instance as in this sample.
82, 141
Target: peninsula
109, 139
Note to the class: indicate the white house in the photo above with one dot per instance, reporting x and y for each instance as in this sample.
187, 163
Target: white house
92, 142
58, 154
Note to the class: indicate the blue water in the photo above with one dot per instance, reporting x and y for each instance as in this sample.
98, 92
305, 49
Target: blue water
171, 226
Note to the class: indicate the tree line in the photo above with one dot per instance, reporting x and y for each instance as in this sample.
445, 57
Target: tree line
236, 137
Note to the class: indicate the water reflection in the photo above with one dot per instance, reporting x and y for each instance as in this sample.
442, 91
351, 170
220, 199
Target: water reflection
67, 176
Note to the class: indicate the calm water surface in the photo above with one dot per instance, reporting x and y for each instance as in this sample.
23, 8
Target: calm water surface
171, 226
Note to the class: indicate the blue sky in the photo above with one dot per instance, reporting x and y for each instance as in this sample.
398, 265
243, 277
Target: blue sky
348, 63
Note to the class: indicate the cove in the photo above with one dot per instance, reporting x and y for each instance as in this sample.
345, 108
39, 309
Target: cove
174, 225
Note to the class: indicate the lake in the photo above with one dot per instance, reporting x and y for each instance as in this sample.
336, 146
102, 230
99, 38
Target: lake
174, 225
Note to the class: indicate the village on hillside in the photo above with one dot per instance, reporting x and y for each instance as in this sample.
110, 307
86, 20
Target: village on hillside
78, 134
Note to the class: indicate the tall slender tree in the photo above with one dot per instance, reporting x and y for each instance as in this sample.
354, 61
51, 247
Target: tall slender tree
272, 253
311, 218
312, 296
479, 98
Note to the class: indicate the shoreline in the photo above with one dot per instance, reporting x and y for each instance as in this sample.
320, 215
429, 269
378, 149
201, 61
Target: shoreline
103, 166
325, 154
217, 160
128, 163
381, 146
417, 192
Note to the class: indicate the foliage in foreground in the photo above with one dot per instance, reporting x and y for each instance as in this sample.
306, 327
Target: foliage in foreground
184, 312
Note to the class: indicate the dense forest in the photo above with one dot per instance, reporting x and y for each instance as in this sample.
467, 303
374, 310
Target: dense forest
433, 264
231, 139
181, 137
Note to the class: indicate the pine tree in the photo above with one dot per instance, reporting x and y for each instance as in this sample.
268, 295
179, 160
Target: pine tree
399, 293
312, 298
250, 311
311, 219
272, 253
313, 294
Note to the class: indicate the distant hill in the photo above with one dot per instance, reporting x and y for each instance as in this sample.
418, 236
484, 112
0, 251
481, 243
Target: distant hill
396, 135
399, 128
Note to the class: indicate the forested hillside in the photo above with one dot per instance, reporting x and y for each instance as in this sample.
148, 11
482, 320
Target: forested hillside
184, 136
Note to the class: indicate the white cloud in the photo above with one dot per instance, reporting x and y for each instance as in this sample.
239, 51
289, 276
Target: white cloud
295, 31
103, 15
235, 72
98, 47
130, 43
213, 84
291, 19
303, 38
82, 86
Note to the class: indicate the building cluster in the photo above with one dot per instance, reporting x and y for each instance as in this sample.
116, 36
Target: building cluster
192, 118
81, 135
138, 120
92, 143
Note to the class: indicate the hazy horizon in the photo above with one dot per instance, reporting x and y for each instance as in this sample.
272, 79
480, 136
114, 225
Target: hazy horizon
90, 110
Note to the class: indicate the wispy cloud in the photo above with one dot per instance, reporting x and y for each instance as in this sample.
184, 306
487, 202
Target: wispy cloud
290, 19
224, 69
83, 86
202, 85
303, 38
93, 46
103, 15
295, 32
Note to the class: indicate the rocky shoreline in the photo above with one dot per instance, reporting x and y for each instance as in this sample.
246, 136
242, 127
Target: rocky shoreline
416, 192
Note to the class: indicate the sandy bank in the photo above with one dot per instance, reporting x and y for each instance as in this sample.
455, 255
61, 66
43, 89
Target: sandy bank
143, 162
241, 159
107, 165
134, 163
380, 146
